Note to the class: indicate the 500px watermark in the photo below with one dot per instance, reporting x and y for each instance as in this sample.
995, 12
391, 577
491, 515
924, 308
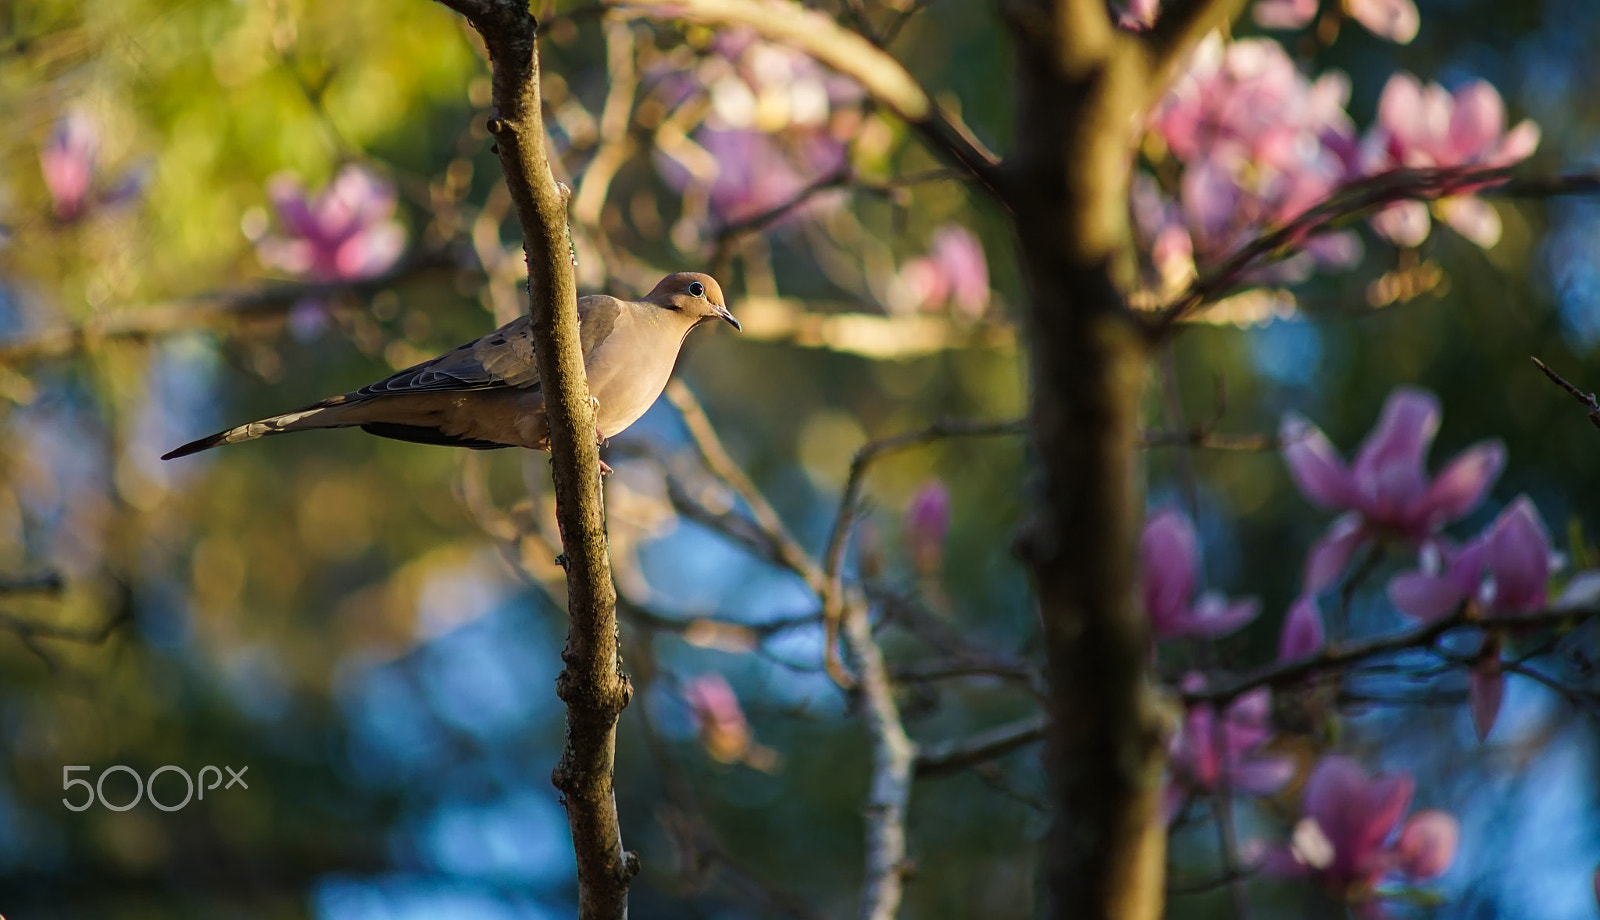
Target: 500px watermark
95, 791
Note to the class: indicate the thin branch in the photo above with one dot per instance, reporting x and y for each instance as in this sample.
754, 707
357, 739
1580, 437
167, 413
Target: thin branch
997, 742
215, 309
1587, 399
1336, 656
784, 547
1351, 200
592, 684
819, 36
894, 756
40, 583
616, 143
833, 595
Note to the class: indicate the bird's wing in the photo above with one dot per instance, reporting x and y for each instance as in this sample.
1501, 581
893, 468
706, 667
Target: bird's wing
503, 358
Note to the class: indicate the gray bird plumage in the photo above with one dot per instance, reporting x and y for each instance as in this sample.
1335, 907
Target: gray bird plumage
486, 394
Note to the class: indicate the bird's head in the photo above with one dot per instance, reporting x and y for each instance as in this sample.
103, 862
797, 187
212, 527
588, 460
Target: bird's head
696, 296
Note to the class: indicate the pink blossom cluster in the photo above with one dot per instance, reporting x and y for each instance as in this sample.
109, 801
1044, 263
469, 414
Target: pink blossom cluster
1259, 143
344, 232
776, 121
1395, 20
1204, 754
953, 275
1387, 495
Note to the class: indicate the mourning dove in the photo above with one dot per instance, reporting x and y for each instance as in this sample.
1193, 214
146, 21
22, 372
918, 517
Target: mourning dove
486, 394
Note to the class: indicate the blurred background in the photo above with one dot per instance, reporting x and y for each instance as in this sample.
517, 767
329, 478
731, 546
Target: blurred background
218, 210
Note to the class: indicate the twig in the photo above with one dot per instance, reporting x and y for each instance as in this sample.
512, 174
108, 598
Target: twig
204, 310
1587, 399
592, 683
984, 746
784, 547
41, 583
833, 595
615, 142
1335, 656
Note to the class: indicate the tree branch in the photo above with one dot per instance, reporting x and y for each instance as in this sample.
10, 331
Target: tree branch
592, 684
1586, 399
894, 756
818, 35
1181, 26
994, 743
1343, 655
833, 594
1352, 199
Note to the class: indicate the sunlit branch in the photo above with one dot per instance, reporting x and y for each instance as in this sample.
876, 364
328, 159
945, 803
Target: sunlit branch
616, 143
210, 310
782, 543
845, 51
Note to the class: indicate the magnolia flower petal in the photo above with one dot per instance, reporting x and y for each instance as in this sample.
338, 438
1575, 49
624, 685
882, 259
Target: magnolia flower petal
1426, 597
1404, 223
1170, 556
1284, 14
1314, 464
1518, 557
1473, 218
1396, 20
1462, 484
1486, 688
1264, 775
1330, 555
1302, 630
1477, 120
1427, 844
1216, 616
1518, 144
369, 252
1388, 466
1582, 591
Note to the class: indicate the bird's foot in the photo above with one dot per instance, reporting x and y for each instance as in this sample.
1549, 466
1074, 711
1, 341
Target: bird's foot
605, 468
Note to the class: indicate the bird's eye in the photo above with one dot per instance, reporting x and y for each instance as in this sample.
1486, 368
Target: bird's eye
696, 289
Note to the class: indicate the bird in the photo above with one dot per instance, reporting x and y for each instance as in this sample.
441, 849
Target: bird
486, 394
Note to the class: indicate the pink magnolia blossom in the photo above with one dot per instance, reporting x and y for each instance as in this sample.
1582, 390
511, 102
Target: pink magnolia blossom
343, 233
928, 524
1386, 491
67, 162
1428, 126
954, 273
1259, 144
1169, 557
1502, 571
1199, 764
723, 729
1347, 840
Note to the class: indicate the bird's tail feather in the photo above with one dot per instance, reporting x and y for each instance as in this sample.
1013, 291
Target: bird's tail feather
329, 413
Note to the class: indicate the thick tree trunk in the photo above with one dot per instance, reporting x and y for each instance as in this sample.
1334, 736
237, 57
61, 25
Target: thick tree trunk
1067, 186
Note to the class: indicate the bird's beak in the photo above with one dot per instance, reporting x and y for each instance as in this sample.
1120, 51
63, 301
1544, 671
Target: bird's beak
723, 312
